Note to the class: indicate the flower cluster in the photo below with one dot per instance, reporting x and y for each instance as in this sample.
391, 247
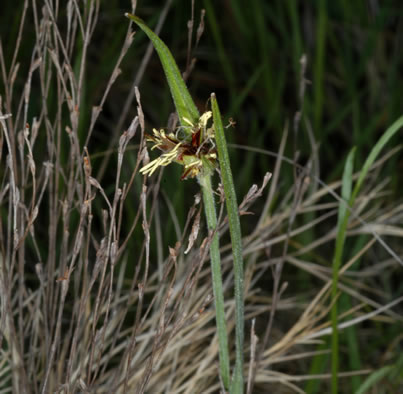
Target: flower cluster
195, 150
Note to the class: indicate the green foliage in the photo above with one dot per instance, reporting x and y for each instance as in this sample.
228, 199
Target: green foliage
188, 115
236, 241
391, 374
183, 101
342, 221
349, 195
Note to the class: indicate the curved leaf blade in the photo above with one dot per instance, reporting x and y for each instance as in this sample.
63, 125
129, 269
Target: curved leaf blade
184, 103
386, 136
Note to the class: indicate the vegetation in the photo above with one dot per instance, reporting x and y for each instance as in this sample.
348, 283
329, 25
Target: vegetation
105, 276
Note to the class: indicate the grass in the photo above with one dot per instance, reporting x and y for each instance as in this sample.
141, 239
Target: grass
97, 292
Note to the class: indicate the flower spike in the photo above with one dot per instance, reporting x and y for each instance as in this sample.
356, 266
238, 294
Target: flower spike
196, 155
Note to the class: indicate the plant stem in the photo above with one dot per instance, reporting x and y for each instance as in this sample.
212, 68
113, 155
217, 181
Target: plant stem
210, 211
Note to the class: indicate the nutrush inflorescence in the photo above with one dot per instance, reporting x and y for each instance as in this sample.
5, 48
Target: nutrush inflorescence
195, 150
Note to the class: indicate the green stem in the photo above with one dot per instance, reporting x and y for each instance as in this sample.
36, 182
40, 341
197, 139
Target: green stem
210, 211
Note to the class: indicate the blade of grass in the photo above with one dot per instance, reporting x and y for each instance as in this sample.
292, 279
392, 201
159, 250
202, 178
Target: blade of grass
374, 378
318, 365
389, 133
341, 234
352, 342
184, 103
236, 241
344, 215
319, 65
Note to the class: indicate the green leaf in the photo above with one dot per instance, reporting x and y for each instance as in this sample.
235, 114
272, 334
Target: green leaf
236, 241
374, 378
389, 133
347, 181
184, 103
344, 214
